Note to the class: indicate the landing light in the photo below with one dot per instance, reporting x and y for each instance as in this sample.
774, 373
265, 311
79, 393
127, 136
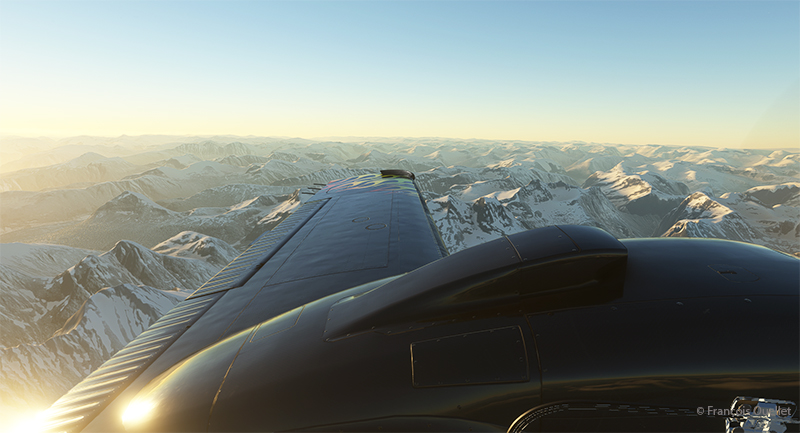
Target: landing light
137, 412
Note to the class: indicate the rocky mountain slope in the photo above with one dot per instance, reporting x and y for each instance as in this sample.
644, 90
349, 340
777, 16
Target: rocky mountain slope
647, 181
700, 216
174, 211
55, 330
766, 215
642, 193
34, 307
32, 376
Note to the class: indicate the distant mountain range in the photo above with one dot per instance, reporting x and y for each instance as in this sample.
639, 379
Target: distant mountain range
114, 231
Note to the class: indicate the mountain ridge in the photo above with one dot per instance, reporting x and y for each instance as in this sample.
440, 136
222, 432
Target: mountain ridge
181, 218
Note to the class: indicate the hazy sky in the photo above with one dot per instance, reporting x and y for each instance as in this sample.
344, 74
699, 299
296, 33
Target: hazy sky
714, 73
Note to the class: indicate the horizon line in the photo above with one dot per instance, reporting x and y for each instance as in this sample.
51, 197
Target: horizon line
321, 139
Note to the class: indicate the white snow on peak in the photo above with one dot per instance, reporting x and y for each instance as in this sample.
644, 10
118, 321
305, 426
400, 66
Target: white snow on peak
34, 375
189, 244
503, 196
705, 207
775, 188
255, 201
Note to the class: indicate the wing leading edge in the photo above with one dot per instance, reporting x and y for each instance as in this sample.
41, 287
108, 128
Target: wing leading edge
351, 232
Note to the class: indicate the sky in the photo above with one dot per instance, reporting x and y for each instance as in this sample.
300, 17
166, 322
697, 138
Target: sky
709, 73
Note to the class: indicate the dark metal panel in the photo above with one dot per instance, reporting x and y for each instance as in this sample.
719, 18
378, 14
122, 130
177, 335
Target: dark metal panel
415, 240
482, 357
668, 268
274, 381
554, 241
734, 273
420, 291
542, 243
354, 235
319, 260
591, 238
542, 266
420, 240
399, 173
275, 299
277, 324
208, 329
410, 423
690, 352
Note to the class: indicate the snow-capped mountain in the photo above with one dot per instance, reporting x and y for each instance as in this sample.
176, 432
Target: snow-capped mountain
642, 193
276, 215
54, 331
772, 196
25, 215
475, 183
464, 224
35, 307
32, 376
643, 183
700, 216
175, 210
537, 204
767, 215
195, 245
773, 210
204, 172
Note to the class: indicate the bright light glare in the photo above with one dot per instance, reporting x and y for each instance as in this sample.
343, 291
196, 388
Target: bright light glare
137, 412
32, 424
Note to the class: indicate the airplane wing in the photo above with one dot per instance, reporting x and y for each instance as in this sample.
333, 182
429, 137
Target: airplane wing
350, 316
351, 232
